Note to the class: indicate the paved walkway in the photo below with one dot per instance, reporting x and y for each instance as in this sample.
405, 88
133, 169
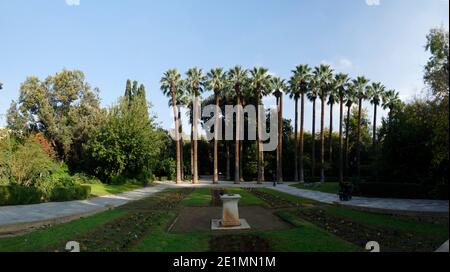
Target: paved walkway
47, 211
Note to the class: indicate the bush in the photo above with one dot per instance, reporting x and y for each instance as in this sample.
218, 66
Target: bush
19, 195
77, 192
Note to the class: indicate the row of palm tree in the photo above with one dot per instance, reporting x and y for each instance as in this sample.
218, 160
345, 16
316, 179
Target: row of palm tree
305, 83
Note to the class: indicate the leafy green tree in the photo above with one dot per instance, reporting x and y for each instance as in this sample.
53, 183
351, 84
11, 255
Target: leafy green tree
126, 143
57, 107
375, 93
437, 69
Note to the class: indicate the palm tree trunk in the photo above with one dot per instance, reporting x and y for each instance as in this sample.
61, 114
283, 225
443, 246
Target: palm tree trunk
374, 133
347, 140
241, 157
280, 140
216, 142
313, 155
341, 153
228, 174
330, 135
296, 141
322, 141
237, 177
178, 157
358, 143
195, 122
302, 139
192, 151
181, 149
259, 154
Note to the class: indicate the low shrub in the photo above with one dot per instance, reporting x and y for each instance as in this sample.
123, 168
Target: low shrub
77, 192
19, 195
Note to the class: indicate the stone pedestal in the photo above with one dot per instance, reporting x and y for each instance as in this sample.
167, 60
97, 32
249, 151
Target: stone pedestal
230, 212
230, 215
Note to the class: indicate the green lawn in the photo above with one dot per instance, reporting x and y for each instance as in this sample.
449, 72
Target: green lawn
159, 240
327, 187
40, 239
302, 237
288, 197
101, 189
198, 198
248, 199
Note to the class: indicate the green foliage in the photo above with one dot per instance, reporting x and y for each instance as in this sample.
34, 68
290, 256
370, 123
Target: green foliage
19, 195
126, 143
75, 192
63, 107
437, 69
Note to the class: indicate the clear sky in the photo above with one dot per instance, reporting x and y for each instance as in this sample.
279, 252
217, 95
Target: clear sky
113, 40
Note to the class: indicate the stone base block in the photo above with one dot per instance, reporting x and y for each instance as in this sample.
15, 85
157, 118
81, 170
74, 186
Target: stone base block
217, 225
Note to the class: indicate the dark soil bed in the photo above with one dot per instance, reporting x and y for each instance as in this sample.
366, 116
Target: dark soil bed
272, 200
192, 219
239, 243
121, 234
359, 234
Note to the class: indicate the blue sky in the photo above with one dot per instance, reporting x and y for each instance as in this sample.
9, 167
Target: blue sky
113, 40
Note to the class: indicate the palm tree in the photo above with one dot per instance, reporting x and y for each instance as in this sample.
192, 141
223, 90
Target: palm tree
313, 93
390, 100
278, 86
216, 82
298, 87
237, 78
361, 95
259, 83
195, 82
375, 93
333, 98
341, 82
350, 99
169, 83
324, 73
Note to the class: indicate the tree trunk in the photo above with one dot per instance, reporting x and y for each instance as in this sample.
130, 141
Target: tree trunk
192, 149
280, 140
237, 177
302, 139
296, 141
258, 144
313, 155
216, 142
322, 141
228, 174
341, 153
374, 133
181, 149
330, 135
178, 157
241, 156
347, 140
358, 143
195, 121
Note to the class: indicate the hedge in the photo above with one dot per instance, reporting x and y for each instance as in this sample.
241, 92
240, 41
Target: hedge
23, 195
19, 195
76, 192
